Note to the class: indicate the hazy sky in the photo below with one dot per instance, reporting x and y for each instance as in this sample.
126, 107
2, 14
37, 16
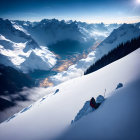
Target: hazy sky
108, 11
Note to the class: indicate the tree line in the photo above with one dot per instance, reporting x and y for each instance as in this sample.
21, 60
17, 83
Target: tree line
117, 53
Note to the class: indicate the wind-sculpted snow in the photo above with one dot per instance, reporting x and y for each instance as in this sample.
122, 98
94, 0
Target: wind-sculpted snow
42, 99
56, 91
86, 109
25, 109
15, 115
117, 118
12, 117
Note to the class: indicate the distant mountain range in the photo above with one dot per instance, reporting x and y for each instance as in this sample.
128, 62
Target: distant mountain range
27, 45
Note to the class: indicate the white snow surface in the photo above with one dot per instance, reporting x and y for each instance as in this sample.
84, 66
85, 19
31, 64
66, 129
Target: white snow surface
50, 116
26, 56
39, 59
18, 27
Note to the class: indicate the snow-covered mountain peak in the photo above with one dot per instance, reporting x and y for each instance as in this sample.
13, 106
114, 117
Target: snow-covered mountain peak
31, 44
16, 45
124, 33
18, 27
38, 60
8, 30
53, 30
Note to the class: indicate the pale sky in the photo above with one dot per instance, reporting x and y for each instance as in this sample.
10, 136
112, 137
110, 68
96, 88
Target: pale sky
91, 11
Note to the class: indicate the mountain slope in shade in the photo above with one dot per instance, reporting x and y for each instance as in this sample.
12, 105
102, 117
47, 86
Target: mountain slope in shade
117, 118
66, 38
16, 46
12, 33
51, 31
120, 35
51, 115
115, 54
13, 80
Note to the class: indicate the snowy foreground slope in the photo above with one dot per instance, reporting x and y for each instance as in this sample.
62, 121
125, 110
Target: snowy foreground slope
117, 119
51, 115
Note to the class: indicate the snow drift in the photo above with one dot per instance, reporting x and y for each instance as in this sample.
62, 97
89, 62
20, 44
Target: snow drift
116, 119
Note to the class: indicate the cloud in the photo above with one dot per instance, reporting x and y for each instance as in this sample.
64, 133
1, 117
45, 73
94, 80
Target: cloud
74, 70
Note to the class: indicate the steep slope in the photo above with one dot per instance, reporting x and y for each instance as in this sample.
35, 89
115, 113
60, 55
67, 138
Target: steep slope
120, 35
51, 115
16, 46
117, 118
115, 54
124, 33
12, 32
39, 60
